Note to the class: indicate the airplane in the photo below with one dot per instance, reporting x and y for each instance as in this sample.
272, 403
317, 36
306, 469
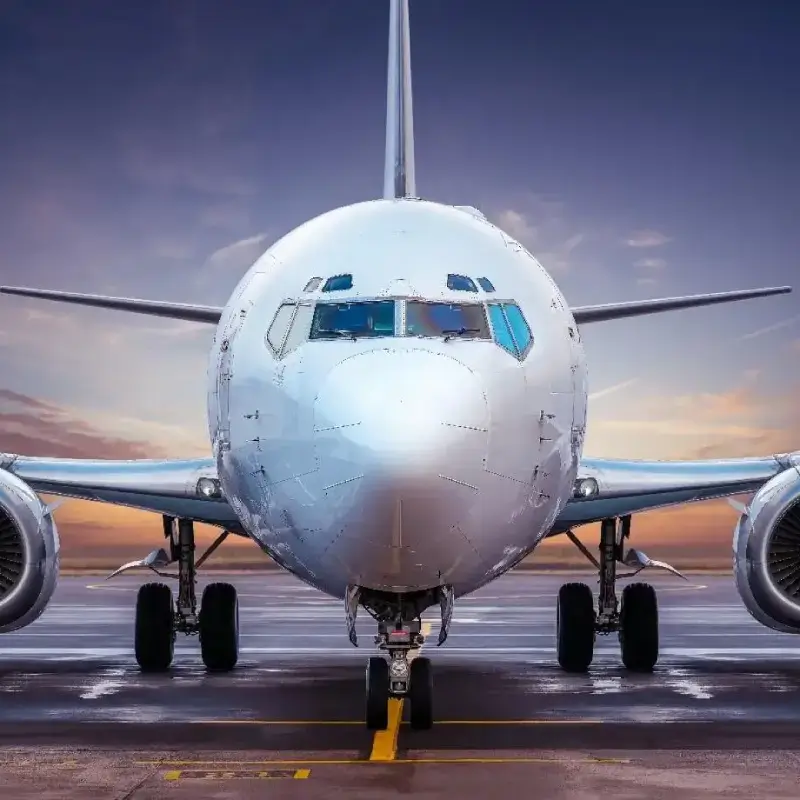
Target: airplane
397, 394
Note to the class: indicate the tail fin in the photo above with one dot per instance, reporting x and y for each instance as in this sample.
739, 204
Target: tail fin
398, 172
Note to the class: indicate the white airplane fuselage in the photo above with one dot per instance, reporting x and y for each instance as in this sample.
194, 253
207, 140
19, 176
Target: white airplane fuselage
404, 462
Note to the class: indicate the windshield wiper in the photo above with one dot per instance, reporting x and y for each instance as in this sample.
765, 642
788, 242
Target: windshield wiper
459, 332
337, 332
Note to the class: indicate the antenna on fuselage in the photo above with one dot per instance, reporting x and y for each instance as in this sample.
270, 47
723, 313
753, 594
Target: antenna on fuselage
398, 171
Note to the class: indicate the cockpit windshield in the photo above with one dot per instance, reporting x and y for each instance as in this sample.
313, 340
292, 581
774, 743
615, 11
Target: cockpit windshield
466, 320
353, 320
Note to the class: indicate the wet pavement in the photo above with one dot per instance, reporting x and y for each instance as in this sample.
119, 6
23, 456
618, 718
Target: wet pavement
77, 719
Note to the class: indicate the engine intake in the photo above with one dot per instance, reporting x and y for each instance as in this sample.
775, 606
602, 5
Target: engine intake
29, 554
767, 553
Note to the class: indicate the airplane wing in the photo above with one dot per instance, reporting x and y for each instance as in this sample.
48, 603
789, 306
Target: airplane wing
608, 488
637, 308
154, 308
180, 488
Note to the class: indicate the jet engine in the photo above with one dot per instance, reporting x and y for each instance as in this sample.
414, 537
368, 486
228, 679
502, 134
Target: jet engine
29, 554
766, 548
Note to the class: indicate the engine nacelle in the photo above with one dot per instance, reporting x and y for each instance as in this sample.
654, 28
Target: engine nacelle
29, 554
766, 550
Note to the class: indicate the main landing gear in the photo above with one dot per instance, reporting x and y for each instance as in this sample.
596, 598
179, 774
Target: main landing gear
405, 674
159, 619
634, 618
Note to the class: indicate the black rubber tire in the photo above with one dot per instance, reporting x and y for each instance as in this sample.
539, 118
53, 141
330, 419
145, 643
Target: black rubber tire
377, 710
575, 627
638, 627
154, 634
219, 627
420, 694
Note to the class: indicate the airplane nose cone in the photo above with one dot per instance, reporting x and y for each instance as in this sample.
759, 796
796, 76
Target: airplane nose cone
401, 438
401, 412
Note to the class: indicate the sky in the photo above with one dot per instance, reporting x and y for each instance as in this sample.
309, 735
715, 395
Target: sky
155, 149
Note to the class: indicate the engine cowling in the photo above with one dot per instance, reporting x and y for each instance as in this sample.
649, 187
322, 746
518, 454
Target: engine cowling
29, 554
766, 549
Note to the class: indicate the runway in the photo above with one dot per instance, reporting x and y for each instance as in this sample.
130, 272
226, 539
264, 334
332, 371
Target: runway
291, 714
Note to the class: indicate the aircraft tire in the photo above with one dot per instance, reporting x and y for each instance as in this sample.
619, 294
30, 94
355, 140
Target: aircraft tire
219, 627
575, 624
377, 710
638, 627
154, 634
420, 694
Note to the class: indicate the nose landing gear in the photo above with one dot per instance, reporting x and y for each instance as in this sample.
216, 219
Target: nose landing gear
404, 675
634, 618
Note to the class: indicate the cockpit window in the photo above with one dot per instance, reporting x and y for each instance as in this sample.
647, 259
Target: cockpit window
352, 320
312, 285
280, 326
466, 320
461, 283
338, 283
511, 331
519, 327
486, 284
298, 330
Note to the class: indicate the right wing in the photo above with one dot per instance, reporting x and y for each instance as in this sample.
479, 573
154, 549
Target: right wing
636, 308
170, 487
628, 487
154, 308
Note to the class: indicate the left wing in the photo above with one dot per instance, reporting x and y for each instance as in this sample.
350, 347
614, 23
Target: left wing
154, 308
181, 488
616, 487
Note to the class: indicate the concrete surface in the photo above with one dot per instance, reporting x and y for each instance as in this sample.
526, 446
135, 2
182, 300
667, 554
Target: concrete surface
719, 717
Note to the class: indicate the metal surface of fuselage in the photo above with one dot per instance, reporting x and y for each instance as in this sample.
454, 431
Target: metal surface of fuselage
397, 463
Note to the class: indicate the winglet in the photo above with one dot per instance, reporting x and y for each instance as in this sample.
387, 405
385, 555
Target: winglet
398, 172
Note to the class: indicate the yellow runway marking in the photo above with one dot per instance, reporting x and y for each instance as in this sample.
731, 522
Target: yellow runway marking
228, 774
384, 745
217, 766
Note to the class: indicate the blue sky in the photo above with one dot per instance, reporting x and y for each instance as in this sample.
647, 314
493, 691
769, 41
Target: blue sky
639, 150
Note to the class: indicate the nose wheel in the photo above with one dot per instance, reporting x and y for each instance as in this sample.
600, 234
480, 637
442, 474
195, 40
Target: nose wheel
402, 677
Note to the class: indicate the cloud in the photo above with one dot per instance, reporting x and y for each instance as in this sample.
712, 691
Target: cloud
795, 345
647, 238
618, 387
777, 326
230, 216
34, 427
540, 225
646, 281
650, 263
751, 375
740, 422
240, 255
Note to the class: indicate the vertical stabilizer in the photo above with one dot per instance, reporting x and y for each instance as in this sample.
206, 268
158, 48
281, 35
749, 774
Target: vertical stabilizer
398, 174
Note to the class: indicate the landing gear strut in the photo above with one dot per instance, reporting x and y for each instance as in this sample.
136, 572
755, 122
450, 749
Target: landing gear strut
634, 617
406, 674
159, 619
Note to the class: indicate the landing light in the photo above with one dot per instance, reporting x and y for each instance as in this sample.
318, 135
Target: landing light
585, 488
209, 487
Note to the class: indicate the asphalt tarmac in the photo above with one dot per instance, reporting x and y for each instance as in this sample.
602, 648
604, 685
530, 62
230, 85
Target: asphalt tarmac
720, 716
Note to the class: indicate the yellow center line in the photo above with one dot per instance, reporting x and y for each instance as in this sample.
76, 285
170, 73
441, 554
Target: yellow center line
384, 744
